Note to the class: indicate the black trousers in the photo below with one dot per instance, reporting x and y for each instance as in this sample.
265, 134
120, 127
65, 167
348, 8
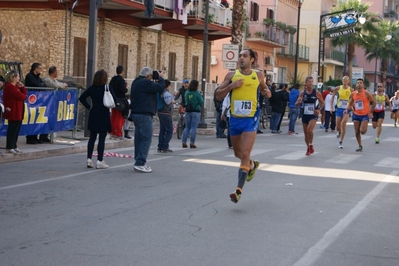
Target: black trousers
12, 134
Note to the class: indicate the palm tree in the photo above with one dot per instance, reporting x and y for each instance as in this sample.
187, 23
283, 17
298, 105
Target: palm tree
238, 17
376, 48
356, 38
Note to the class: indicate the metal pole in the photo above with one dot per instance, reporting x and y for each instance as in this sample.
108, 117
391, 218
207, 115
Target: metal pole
318, 62
202, 123
91, 54
375, 69
297, 42
346, 55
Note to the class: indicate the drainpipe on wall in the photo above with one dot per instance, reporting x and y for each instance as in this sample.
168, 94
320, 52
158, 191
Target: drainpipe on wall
65, 35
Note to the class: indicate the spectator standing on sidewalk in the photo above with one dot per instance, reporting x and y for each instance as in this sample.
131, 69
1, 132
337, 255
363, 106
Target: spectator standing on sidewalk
218, 111
294, 110
180, 93
284, 103
143, 106
99, 118
329, 106
51, 80
33, 79
323, 113
118, 85
14, 95
226, 117
2, 80
165, 107
276, 102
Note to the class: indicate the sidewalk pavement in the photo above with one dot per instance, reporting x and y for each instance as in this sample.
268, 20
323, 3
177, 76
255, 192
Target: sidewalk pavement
65, 142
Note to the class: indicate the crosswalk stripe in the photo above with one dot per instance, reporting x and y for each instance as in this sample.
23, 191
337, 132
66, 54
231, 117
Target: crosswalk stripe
391, 139
388, 162
203, 152
343, 158
363, 137
292, 156
254, 152
329, 136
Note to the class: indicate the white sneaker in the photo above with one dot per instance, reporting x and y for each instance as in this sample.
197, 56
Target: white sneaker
11, 151
18, 150
340, 145
101, 165
89, 163
143, 168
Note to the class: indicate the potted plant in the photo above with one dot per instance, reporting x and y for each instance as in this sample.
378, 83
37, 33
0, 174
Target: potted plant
268, 21
258, 34
291, 29
281, 25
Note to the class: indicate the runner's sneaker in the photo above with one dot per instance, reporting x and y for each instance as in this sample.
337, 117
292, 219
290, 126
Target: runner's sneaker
377, 140
311, 149
18, 150
307, 152
251, 172
143, 168
395, 125
359, 149
340, 145
235, 196
338, 134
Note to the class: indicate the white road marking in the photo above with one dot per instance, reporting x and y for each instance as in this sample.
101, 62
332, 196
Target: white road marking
388, 162
72, 175
203, 152
315, 252
343, 158
253, 152
293, 156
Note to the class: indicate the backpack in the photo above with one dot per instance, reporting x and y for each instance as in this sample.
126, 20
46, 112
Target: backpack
218, 104
164, 99
160, 101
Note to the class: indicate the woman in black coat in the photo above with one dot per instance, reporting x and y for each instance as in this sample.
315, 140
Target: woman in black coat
99, 118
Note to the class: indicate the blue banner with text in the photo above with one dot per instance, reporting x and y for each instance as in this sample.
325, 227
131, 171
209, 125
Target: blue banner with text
46, 112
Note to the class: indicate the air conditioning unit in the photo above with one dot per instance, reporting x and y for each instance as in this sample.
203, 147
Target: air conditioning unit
214, 60
269, 60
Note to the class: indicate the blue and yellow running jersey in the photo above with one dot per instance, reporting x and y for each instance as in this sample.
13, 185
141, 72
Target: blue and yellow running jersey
244, 100
344, 96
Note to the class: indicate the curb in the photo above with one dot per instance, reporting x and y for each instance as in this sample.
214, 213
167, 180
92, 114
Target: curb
6, 158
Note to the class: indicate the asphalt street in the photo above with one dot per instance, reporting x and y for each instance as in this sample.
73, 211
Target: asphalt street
337, 207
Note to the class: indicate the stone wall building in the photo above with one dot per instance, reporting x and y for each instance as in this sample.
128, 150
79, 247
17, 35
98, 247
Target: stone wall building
52, 32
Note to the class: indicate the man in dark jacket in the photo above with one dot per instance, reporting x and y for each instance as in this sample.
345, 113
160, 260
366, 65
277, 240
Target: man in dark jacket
33, 79
181, 92
118, 84
143, 106
276, 102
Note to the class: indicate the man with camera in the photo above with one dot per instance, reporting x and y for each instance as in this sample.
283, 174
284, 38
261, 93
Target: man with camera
143, 106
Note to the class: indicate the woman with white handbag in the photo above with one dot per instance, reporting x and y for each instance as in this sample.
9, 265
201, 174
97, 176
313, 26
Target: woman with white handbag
99, 117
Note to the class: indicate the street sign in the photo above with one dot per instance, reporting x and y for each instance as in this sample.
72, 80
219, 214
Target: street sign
342, 32
230, 53
229, 65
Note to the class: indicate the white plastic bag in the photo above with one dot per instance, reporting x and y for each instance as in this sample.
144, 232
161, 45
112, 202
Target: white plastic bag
108, 100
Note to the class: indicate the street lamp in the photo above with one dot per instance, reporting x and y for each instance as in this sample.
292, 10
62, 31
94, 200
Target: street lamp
297, 41
202, 123
387, 38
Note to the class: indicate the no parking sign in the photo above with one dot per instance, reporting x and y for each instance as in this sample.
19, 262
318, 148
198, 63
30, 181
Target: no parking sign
230, 55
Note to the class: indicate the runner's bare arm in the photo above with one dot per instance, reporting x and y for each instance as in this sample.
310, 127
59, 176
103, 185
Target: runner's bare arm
335, 90
264, 90
226, 86
350, 104
388, 102
372, 101
321, 100
299, 100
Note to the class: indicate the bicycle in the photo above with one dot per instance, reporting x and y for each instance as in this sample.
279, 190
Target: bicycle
181, 123
264, 118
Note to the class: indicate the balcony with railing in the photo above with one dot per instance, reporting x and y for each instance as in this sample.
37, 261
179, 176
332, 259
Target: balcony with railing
290, 51
268, 35
337, 56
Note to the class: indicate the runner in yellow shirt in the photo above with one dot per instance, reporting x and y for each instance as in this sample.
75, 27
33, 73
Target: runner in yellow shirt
245, 86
